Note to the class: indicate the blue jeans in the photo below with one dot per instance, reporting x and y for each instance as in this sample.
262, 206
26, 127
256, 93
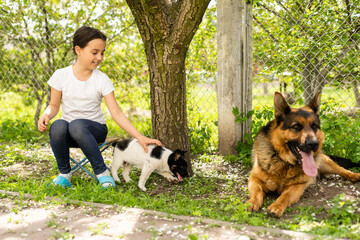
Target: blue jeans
80, 133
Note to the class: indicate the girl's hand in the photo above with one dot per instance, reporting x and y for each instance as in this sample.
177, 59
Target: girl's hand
43, 123
144, 141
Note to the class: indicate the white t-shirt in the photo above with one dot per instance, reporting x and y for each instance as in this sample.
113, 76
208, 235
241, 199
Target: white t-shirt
81, 99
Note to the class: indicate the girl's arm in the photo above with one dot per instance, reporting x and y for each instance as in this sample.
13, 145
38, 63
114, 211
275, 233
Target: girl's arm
120, 118
50, 110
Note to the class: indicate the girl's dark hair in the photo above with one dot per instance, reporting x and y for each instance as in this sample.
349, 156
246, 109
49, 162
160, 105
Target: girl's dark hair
84, 35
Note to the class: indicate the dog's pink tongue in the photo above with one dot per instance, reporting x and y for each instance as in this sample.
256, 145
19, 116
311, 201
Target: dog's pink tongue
308, 164
179, 177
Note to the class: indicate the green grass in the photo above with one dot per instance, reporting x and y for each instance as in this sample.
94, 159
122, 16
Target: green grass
341, 95
217, 191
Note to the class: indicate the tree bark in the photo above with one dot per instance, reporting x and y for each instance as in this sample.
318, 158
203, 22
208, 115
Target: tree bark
356, 93
167, 28
308, 77
314, 75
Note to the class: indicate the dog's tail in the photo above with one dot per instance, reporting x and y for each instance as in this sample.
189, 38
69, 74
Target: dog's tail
344, 162
113, 141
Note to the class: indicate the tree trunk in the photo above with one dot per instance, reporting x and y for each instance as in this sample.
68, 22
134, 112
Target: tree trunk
168, 100
356, 93
39, 101
167, 28
314, 75
49, 68
307, 75
313, 78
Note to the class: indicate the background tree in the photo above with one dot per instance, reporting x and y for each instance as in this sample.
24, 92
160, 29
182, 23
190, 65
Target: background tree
36, 40
316, 41
167, 28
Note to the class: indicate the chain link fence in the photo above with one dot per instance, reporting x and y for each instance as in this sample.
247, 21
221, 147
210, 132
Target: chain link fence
36, 39
299, 47
304, 46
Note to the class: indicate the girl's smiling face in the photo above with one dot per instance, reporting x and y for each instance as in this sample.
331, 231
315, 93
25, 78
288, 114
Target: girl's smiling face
92, 54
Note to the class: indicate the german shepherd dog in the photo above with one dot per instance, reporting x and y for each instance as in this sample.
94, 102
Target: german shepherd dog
287, 156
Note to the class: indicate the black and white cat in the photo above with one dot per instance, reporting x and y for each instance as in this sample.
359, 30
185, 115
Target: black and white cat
129, 152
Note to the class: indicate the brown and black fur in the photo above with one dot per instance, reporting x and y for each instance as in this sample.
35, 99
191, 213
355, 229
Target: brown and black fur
277, 163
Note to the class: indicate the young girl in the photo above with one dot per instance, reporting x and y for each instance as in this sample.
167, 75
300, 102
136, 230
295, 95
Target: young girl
81, 87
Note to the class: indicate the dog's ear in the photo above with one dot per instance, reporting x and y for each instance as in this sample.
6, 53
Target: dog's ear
178, 154
315, 103
281, 106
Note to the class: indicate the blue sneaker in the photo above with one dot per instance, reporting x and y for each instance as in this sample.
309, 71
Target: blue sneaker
61, 181
106, 179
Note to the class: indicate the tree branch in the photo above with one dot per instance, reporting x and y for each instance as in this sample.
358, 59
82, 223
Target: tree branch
159, 20
274, 12
264, 28
287, 10
350, 23
185, 27
87, 21
330, 65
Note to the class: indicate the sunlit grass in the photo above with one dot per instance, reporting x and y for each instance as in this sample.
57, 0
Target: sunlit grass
216, 191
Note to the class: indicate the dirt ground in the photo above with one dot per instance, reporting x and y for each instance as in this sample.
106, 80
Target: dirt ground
326, 188
53, 219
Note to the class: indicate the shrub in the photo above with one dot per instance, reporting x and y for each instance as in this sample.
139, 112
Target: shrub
259, 119
20, 130
201, 133
342, 132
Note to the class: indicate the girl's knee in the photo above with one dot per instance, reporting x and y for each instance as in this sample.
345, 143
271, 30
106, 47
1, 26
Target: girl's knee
83, 130
58, 128
78, 129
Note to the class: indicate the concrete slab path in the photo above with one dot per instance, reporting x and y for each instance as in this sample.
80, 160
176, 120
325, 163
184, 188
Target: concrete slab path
23, 218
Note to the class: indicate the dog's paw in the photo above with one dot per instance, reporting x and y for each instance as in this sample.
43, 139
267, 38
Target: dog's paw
275, 210
171, 179
127, 179
142, 188
116, 179
354, 177
253, 206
